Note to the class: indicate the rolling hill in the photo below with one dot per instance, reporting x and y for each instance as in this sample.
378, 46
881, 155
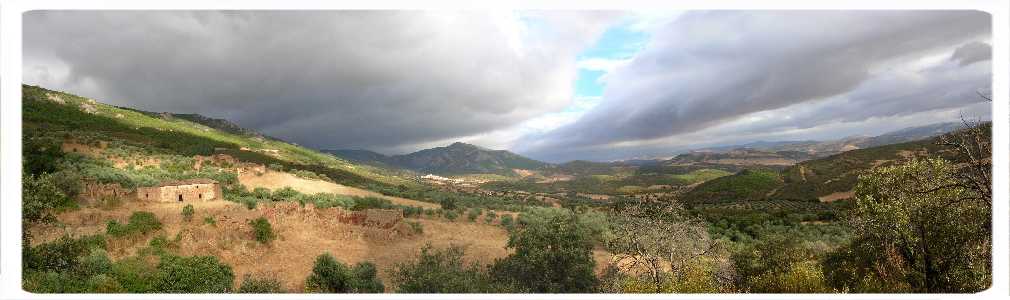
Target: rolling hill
62, 117
818, 180
455, 159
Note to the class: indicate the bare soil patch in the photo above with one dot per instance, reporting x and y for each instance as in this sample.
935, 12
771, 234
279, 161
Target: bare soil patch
837, 196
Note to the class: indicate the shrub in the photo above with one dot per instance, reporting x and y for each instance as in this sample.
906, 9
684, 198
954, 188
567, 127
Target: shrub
144, 222
285, 193
187, 212
362, 203
275, 167
473, 214
262, 231
140, 222
417, 227
451, 215
61, 254
135, 275
551, 256
506, 221
252, 285
194, 274
330, 276
440, 271
490, 217
209, 220
261, 193
448, 203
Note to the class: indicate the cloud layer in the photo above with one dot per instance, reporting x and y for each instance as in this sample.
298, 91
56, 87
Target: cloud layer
710, 68
395, 81
362, 79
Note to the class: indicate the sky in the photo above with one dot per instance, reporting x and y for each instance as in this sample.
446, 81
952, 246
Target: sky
552, 85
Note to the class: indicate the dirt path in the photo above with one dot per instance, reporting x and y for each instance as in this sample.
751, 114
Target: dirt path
275, 180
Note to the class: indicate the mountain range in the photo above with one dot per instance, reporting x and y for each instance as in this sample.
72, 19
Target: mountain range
462, 158
457, 158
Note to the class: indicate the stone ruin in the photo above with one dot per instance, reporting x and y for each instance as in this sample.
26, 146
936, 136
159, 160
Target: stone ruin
92, 192
199, 189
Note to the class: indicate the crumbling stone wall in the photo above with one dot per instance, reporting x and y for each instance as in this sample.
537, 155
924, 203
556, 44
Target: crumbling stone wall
92, 192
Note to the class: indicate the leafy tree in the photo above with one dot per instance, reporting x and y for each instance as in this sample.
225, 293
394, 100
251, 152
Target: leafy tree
778, 263
330, 276
40, 155
663, 241
550, 256
194, 274
41, 198
928, 225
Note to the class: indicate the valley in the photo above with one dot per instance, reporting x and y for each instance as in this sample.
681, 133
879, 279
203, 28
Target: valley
266, 212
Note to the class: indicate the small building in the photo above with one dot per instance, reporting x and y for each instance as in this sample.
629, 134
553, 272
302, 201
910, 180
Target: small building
190, 190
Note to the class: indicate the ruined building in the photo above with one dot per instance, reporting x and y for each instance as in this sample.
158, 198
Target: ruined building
181, 191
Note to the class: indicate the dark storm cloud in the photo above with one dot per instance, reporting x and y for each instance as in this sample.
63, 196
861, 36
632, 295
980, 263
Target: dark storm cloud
709, 68
365, 79
971, 53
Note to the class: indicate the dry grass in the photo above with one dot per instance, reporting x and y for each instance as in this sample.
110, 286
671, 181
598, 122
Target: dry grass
302, 234
275, 180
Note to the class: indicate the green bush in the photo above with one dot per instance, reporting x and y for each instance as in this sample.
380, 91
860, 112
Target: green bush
330, 276
61, 254
363, 203
209, 220
417, 227
440, 271
550, 256
194, 274
187, 212
261, 193
448, 203
252, 285
285, 193
451, 215
490, 217
473, 214
506, 221
140, 222
262, 231
41, 198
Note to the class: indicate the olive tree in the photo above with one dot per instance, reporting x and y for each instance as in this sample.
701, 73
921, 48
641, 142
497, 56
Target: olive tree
657, 244
927, 224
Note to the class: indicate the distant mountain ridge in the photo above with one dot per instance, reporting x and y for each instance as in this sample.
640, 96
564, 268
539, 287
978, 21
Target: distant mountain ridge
454, 159
831, 147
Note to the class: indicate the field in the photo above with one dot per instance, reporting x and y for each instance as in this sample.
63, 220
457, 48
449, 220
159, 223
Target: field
301, 236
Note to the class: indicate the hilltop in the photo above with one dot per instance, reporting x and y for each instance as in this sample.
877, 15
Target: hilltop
455, 159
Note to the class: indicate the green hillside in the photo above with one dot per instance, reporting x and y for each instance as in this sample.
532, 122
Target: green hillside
55, 117
747, 185
838, 173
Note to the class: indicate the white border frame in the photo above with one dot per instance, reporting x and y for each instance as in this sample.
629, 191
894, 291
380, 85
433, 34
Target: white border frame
10, 118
